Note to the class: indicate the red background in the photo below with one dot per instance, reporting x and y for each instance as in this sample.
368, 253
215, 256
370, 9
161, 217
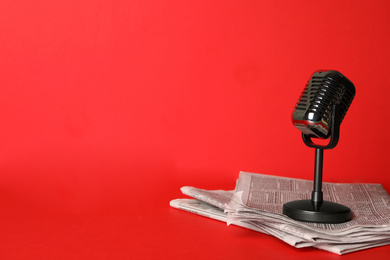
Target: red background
109, 107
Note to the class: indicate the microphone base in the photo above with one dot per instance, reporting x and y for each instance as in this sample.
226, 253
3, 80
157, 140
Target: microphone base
322, 212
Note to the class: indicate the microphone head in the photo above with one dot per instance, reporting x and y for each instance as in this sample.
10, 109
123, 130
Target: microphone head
313, 111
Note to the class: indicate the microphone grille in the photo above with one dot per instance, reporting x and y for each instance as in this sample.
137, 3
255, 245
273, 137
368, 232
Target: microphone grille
314, 109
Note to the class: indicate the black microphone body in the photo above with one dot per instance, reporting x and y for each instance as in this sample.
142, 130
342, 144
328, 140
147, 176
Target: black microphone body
313, 111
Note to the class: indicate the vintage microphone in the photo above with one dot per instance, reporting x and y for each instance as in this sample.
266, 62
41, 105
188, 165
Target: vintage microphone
318, 114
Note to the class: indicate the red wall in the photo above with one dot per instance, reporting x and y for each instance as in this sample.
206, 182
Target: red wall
101, 100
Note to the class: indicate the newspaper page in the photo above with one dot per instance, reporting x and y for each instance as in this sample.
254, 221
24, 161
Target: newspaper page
257, 204
294, 236
369, 203
262, 197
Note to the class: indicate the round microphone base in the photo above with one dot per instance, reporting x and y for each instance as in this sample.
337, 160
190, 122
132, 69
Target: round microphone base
324, 212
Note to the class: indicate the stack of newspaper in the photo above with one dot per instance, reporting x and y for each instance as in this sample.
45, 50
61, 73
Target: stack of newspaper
257, 204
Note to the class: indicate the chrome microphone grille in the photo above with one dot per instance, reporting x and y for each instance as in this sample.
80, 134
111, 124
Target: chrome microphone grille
313, 111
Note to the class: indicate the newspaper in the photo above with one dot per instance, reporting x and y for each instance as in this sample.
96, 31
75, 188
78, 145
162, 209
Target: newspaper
257, 204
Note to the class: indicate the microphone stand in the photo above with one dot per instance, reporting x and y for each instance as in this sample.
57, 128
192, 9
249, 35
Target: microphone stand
316, 195
317, 210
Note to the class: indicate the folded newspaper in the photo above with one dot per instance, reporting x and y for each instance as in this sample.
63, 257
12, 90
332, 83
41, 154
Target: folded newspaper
257, 204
